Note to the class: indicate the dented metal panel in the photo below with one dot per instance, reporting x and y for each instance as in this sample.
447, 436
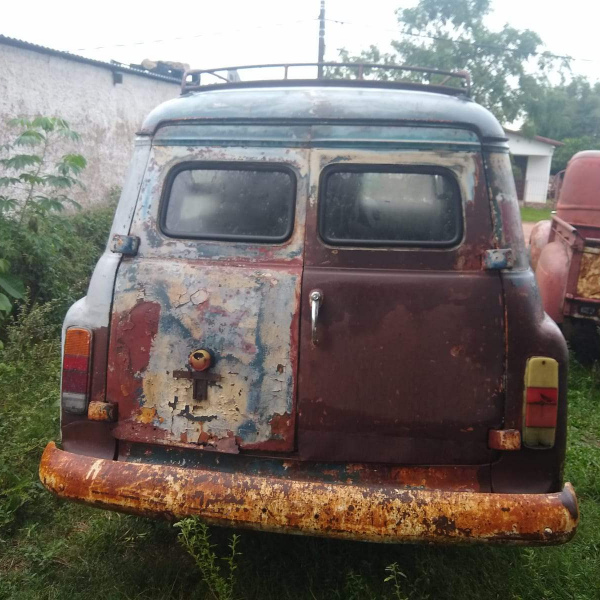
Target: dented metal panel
363, 512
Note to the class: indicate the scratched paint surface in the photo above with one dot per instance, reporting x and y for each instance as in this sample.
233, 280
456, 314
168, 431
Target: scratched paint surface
239, 301
243, 315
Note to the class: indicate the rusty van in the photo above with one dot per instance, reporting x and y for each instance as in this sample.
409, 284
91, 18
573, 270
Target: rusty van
315, 315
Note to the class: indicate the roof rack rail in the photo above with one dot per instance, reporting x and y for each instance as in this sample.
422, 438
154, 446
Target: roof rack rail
332, 73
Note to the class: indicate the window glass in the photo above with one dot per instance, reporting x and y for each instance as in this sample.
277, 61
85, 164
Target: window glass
390, 207
252, 204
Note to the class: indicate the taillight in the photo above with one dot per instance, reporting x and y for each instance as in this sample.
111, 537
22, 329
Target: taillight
76, 368
540, 406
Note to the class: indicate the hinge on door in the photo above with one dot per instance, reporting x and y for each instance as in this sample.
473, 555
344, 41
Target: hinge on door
501, 258
125, 244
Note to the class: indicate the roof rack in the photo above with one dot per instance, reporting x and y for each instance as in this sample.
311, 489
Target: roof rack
333, 73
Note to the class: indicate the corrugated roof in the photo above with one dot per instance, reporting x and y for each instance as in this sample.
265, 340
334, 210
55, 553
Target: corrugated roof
114, 67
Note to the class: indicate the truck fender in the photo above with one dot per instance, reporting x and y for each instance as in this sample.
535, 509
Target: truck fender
538, 238
551, 275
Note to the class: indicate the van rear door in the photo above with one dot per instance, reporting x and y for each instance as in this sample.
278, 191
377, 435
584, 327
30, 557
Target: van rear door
406, 361
219, 269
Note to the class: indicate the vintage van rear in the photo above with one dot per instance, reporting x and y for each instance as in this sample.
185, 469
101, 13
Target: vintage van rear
315, 315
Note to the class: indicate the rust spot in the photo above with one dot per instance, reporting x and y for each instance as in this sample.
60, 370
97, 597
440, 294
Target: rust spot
131, 339
270, 503
146, 415
504, 439
102, 411
282, 435
588, 284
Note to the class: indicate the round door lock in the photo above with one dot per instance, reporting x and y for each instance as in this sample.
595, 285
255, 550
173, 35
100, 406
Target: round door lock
200, 360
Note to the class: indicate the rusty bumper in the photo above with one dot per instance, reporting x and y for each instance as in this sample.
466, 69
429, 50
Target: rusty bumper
361, 512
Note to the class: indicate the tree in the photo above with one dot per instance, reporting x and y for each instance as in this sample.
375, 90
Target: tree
506, 66
32, 185
568, 110
562, 155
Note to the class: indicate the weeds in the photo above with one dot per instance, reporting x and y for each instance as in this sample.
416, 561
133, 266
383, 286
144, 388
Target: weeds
394, 578
25, 423
195, 538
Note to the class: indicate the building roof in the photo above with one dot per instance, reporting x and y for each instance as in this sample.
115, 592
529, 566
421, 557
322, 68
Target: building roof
112, 66
342, 102
537, 138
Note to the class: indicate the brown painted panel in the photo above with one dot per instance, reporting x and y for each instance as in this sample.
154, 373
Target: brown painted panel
410, 364
530, 332
408, 369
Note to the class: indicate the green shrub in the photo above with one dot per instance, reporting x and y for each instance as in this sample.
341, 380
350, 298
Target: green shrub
56, 261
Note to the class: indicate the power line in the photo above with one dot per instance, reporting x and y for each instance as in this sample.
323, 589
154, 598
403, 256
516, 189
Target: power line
455, 41
191, 37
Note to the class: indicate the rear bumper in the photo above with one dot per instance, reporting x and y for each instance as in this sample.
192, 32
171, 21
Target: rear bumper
361, 512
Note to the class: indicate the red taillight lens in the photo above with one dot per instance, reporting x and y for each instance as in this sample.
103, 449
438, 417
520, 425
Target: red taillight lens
540, 407
76, 367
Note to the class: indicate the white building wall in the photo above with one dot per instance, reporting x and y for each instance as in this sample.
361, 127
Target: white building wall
537, 179
539, 159
105, 114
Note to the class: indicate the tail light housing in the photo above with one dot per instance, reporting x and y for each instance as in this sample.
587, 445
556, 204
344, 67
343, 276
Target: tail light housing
76, 370
540, 403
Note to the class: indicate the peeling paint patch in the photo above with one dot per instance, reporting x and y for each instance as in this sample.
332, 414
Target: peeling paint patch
242, 315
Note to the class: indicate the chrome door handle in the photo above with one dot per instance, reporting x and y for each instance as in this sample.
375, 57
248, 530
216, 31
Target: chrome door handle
316, 299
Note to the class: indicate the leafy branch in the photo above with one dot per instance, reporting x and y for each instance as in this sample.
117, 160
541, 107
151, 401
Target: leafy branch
32, 185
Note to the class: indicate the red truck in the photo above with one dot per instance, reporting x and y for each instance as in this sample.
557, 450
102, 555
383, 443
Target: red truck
565, 255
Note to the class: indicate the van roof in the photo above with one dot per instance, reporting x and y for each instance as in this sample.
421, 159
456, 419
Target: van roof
292, 103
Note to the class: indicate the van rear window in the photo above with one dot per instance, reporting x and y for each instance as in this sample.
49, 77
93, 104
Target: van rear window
253, 204
363, 205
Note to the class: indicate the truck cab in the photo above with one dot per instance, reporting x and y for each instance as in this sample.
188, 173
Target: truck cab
316, 315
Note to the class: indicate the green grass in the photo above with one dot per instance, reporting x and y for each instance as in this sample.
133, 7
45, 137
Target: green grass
530, 214
53, 549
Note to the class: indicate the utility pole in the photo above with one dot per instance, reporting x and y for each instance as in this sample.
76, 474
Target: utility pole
321, 40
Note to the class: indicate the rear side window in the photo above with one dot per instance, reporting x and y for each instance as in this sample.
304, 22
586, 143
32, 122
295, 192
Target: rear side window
223, 202
363, 205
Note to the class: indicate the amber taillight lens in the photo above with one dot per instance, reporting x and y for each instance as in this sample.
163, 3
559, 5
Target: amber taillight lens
76, 369
540, 403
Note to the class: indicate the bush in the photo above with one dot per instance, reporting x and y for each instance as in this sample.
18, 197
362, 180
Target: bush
56, 261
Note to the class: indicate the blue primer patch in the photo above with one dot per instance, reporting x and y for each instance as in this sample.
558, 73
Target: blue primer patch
257, 364
246, 430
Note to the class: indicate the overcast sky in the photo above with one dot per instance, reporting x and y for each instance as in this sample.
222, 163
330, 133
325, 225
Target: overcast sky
233, 32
